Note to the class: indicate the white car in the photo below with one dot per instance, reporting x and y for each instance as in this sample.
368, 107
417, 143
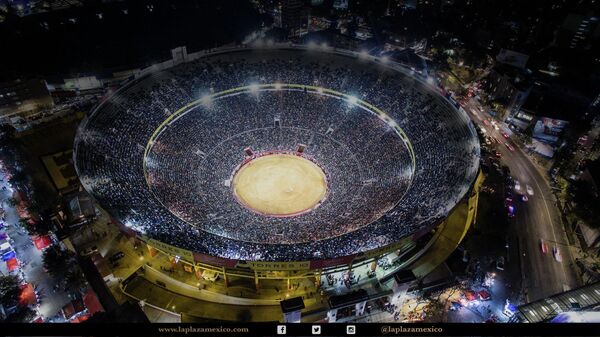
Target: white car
517, 185
529, 190
556, 253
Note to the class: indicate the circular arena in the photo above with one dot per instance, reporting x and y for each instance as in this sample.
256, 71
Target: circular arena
280, 184
279, 154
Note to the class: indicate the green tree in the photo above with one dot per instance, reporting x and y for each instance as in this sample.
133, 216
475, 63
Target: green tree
39, 226
74, 279
22, 315
436, 312
30, 227
587, 202
19, 179
9, 290
7, 132
58, 261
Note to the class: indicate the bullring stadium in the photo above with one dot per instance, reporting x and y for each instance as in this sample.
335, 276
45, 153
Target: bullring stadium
283, 158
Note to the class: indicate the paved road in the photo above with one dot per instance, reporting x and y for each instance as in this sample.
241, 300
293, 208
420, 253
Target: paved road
536, 219
32, 262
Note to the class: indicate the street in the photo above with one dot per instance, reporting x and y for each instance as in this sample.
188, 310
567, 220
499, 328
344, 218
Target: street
31, 263
536, 219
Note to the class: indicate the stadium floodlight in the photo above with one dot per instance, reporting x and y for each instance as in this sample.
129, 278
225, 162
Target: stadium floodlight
206, 100
134, 226
352, 100
253, 88
278, 86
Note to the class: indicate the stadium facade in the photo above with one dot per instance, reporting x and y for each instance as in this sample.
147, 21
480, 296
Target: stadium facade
401, 161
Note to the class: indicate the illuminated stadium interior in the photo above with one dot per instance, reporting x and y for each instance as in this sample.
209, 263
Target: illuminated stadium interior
394, 155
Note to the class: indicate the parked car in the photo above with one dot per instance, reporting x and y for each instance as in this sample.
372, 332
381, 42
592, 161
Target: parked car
116, 256
529, 190
517, 185
511, 211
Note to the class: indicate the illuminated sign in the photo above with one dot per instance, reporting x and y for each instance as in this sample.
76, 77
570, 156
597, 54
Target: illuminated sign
267, 266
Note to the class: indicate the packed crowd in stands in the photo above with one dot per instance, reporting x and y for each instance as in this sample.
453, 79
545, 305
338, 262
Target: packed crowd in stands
182, 195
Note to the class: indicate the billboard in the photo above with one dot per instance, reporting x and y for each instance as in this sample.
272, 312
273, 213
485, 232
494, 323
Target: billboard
549, 129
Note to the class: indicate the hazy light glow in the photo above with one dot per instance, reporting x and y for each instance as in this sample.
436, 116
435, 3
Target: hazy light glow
206, 100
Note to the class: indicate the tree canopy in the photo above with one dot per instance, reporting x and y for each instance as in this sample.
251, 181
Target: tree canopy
58, 261
9, 290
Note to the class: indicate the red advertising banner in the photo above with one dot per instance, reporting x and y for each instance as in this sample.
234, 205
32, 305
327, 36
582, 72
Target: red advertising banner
214, 260
318, 264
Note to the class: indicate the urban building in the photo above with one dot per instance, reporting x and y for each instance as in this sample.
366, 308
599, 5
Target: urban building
294, 16
578, 31
21, 98
509, 87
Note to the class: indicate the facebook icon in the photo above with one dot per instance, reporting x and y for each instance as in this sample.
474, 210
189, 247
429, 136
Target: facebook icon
281, 329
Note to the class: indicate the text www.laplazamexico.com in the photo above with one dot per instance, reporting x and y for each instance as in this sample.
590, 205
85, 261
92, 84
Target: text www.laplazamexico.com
191, 329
